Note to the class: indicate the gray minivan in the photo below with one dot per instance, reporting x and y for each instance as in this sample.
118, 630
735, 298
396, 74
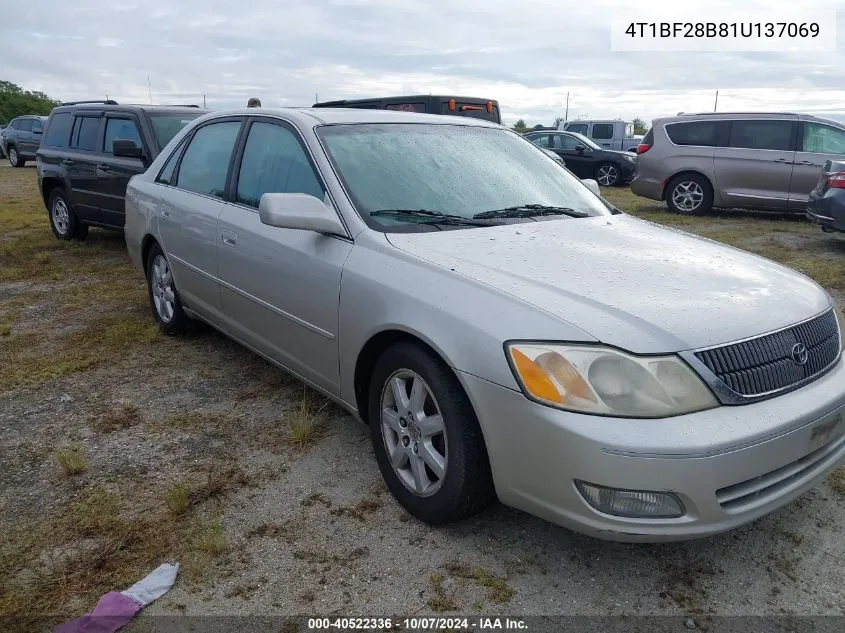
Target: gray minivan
736, 160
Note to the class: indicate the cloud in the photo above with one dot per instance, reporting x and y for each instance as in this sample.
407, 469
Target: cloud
527, 55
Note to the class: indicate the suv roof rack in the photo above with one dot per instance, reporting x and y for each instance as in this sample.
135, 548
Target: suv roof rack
162, 105
103, 101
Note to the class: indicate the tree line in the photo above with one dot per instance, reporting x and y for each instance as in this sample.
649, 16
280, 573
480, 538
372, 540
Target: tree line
15, 101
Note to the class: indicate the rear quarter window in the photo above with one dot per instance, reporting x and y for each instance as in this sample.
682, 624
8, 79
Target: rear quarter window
704, 133
58, 130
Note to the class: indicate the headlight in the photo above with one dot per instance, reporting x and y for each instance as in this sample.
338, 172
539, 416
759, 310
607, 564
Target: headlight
604, 381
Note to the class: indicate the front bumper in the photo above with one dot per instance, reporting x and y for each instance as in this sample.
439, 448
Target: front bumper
729, 465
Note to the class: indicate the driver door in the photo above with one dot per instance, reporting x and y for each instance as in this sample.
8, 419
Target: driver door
580, 163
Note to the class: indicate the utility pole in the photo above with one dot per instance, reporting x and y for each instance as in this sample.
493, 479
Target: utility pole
149, 88
203, 99
716, 102
566, 116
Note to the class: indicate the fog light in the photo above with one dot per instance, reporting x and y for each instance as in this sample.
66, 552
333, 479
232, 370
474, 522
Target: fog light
635, 504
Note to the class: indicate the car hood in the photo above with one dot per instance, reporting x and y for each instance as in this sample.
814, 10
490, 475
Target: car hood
627, 282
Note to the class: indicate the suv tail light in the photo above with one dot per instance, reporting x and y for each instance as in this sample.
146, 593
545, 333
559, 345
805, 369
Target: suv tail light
642, 148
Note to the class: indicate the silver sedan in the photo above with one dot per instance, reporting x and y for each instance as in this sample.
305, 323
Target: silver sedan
504, 332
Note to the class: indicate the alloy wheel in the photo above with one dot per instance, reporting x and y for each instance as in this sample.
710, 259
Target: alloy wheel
413, 432
161, 284
607, 175
687, 196
61, 217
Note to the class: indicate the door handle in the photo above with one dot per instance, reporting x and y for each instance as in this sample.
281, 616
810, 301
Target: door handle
67, 161
781, 160
808, 162
103, 167
229, 238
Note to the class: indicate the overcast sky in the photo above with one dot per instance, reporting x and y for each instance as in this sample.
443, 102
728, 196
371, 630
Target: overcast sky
526, 54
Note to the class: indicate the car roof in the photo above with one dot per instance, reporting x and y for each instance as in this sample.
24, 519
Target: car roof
312, 116
704, 116
107, 107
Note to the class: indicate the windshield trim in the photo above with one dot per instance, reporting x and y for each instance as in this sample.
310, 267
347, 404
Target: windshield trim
359, 209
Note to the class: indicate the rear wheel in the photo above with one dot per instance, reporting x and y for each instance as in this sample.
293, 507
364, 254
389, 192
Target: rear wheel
426, 437
63, 221
164, 298
689, 194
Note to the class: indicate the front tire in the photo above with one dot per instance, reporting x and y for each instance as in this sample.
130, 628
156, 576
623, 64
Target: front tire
607, 175
426, 437
63, 221
15, 159
164, 298
689, 194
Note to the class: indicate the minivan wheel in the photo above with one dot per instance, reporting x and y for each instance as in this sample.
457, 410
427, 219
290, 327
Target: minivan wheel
607, 174
426, 437
15, 158
164, 298
689, 194
63, 221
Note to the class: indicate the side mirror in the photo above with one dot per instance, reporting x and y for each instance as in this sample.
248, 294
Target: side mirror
299, 211
38, 130
592, 185
126, 148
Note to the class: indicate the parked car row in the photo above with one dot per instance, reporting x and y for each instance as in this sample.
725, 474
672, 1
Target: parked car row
585, 159
743, 160
606, 133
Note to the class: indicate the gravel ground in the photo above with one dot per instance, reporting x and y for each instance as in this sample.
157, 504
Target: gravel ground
311, 529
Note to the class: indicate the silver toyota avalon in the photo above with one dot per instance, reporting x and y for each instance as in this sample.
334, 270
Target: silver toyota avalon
504, 333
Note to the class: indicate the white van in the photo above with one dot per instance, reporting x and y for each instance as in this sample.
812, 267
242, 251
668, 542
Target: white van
607, 133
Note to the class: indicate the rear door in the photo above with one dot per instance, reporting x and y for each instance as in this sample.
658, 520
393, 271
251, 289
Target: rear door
24, 136
113, 173
817, 142
754, 168
80, 162
33, 140
603, 135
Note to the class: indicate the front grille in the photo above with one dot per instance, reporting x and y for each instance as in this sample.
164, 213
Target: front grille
760, 490
765, 364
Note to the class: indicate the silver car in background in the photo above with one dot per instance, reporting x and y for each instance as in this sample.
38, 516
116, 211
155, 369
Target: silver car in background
736, 160
503, 333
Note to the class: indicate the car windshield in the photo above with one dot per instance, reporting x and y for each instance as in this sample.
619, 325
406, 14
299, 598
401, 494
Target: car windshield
166, 126
402, 175
588, 142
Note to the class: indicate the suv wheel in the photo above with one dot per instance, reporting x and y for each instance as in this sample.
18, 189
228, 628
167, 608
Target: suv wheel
164, 298
426, 437
607, 175
63, 221
15, 158
689, 194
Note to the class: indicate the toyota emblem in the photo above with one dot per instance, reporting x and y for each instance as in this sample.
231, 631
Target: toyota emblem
799, 354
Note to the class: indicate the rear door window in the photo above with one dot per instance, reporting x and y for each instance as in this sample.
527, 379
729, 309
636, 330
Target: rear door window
541, 141
205, 164
762, 134
24, 125
85, 132
578, 128
58, 130
602, 131
822, 139
704, 133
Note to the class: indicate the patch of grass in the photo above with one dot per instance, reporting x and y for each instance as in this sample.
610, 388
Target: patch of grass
359, 510
177, 498
440, 602
497, 588
122, 416
304, 421
323, 557
5, 329
836, 481
195, 420
72, 460
208, 537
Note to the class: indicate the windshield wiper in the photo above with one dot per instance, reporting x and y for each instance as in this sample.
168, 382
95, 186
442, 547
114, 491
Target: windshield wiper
530, 211
430, 217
